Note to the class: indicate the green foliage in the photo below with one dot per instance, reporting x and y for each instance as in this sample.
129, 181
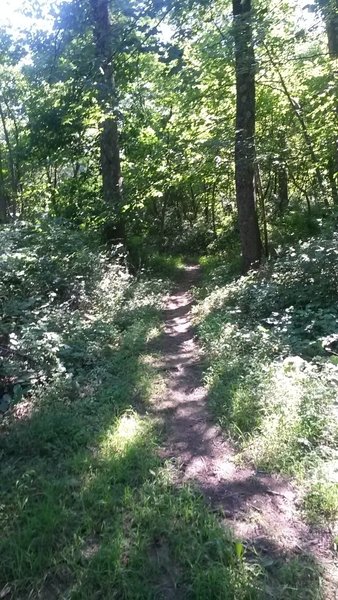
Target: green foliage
295, 225
165, 265
87, 506
321, 502
271, 382
176, 121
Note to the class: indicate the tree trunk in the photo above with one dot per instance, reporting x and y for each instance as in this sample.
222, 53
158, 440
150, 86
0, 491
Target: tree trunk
3, 196
193, 200
15, 152
262, 195
282, 183
333, 175
251, 244
329, 9
109, 137
283, 191
213, 208
11, 162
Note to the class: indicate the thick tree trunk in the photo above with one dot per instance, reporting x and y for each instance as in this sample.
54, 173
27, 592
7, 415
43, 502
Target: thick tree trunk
109, 137
245, 134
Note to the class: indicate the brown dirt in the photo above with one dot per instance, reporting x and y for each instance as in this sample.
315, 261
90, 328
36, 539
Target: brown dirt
261, 509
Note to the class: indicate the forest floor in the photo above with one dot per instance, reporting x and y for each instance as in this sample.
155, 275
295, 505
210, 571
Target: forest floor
260, 508
116, 481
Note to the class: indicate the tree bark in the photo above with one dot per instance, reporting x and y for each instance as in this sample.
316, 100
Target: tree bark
15, 152
332, 170
3, 195
282, 183
11, 162
213, 208
109, 135
251, 244
283, 191
329, 9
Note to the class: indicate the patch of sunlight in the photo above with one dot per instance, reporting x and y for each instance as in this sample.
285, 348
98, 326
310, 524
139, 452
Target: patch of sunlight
329, 471
151, 360
169, 473
153, 334
214, 301
281, 398
126, 431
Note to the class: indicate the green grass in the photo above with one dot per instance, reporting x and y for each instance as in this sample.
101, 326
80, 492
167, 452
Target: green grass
321, 502
271, 384
89, 511
165, 265
87, 507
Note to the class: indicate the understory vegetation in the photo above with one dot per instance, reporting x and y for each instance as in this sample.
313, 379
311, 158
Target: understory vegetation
271, 347
87, 508
138, 137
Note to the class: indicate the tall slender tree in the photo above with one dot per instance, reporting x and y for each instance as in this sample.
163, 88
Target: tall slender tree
245, 133
109, 136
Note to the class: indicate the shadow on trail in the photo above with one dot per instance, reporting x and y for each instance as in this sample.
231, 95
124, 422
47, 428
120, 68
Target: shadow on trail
91, 511
259, 508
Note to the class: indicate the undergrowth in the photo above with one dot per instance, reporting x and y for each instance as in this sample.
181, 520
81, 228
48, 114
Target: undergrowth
270, 342
87, 509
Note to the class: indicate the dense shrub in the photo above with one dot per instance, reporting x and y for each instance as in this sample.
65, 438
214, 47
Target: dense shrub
63, 303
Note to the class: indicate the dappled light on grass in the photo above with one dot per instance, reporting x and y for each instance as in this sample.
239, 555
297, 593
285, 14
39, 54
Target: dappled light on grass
127, 430
153, 334
71, 445
272, 384
88, 508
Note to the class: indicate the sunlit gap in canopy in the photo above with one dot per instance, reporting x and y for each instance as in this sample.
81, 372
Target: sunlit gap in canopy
22, 15
18, 15
307, 15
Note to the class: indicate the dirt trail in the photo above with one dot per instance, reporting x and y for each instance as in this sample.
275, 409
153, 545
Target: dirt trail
261, 509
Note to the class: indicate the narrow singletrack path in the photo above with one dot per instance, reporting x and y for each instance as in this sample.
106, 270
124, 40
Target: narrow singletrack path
260, 508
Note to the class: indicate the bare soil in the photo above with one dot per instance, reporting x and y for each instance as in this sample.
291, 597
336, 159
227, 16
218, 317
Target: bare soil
260, 508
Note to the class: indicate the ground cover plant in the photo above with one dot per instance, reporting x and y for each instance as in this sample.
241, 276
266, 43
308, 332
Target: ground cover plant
87, 507
270, 341
135, 137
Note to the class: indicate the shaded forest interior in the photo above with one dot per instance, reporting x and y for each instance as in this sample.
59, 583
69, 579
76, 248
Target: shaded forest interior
142, 142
